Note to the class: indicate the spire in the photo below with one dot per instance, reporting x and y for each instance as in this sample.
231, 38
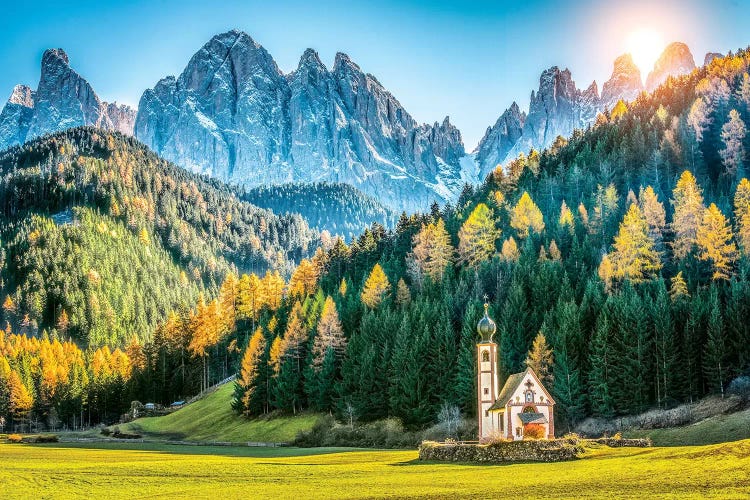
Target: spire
486, 327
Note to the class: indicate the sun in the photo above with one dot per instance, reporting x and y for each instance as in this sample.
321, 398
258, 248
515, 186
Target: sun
645, 45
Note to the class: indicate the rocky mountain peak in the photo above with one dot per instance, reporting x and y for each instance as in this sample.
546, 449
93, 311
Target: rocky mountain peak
676, 60
625, 82
22, 95
63, 99
54, 56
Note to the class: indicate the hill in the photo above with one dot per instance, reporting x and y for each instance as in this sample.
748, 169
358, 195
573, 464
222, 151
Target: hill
338, 208
212, 419
713, 430
98, 230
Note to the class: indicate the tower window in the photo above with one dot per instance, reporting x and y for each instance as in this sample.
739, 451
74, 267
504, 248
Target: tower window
485, 356
486, 390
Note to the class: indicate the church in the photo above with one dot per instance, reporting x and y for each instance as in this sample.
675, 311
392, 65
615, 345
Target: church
521, 405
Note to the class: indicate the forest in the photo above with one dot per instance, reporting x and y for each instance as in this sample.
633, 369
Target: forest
340, 209
615, 262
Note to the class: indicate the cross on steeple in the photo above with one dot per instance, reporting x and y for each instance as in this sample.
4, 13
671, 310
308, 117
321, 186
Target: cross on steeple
529, 384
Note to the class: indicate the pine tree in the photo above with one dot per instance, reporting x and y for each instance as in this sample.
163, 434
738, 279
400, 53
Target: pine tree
376, 289
600, 362
403, 295
688, 213
715, 353
714, 239
526, 217
634, 257
477, 237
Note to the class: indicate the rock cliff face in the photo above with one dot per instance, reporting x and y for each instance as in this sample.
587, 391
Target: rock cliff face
710, 56
674, 61
63, 99
625, 82
234, 115
558, 107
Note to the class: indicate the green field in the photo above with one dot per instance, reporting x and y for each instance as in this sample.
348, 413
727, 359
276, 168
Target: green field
212, 419
150, 470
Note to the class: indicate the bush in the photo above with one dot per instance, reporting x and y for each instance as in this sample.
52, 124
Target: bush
534, 431
15, 438
740, 387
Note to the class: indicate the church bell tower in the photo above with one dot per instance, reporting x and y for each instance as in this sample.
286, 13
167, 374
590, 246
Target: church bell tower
487, 377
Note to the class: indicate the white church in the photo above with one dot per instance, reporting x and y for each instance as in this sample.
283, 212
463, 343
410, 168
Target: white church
504, 412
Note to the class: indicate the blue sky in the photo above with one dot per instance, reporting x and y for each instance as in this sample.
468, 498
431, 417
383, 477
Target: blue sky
466, 60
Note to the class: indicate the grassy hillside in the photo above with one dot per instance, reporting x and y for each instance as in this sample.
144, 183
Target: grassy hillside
719, 471
212, 419
718, 429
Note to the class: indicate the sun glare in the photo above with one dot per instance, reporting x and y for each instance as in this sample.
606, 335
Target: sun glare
645, 45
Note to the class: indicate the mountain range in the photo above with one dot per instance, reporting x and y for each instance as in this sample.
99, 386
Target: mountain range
234, 115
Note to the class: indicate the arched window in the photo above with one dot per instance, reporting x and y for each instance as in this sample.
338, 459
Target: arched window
529, 397
485, 356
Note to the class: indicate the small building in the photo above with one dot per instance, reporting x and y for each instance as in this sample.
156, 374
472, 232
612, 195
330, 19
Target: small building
522, 404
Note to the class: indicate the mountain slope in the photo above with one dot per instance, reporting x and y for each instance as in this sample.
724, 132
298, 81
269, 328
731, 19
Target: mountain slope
234, 115
337, 208
63, 99
97, 226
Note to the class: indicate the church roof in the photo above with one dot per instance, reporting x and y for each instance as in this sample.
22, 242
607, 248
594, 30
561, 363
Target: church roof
507, 392
532, 418
512, 384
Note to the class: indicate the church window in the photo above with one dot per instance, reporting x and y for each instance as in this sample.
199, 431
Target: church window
529, 397
486, 390
485, 356
486, 413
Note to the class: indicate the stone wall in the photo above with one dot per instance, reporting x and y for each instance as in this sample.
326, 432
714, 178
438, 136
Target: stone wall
505, 451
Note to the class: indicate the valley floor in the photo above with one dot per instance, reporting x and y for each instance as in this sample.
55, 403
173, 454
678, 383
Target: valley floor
115, 470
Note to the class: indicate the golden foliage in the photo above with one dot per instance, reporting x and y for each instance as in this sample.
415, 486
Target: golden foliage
376, 288
634, 257
687, 200
477, 236
432, 250
714, 239
526, 217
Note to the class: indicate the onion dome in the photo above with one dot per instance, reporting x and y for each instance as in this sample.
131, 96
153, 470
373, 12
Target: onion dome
486, 327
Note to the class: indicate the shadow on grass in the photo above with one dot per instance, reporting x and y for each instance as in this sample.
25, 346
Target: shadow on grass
228, 451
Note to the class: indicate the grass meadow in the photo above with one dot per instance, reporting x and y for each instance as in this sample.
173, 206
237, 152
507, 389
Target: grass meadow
153, 470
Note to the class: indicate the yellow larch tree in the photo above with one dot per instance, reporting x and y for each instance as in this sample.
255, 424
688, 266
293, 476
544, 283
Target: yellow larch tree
742, 215
526, 217
403, 294
715, 243
250, 368
687, 199
606, 272
634, 257
510, 251
653, 210
432, 250
477, 236
678, 287
566, 220
330, 335
376, 287
304, 279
